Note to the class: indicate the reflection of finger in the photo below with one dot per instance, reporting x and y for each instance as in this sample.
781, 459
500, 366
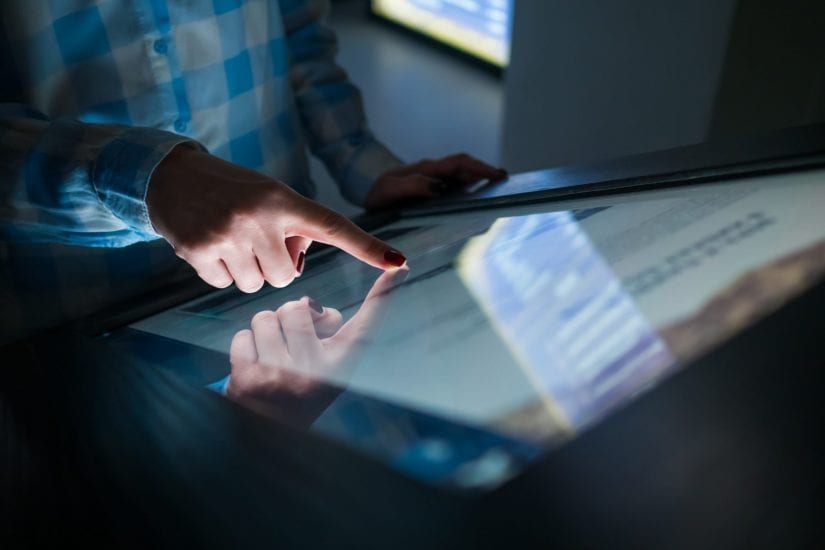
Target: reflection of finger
269, 339
299, 332
277, 266
213, 272
472, 166
327, 321
325, 226
453, 166
357, 329
244, 269
242, 350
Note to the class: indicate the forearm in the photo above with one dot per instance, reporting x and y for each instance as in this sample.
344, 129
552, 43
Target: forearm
330, 105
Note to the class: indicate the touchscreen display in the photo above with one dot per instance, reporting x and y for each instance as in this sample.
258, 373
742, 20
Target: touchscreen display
507, 335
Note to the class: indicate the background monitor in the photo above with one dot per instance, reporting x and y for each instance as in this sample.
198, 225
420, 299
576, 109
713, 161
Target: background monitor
480, 28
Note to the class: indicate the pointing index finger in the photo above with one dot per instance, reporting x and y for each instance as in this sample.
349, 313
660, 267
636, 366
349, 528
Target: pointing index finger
328, 227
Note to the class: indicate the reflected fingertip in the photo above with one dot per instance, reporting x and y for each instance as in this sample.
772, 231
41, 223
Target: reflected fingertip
400, 275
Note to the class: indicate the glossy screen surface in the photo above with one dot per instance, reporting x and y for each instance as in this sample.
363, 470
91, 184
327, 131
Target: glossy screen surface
508, 335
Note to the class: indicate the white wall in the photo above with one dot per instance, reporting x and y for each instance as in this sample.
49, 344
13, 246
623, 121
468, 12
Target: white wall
596, 79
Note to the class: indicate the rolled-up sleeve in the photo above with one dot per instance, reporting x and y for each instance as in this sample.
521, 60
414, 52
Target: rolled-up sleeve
330, 105
71, 182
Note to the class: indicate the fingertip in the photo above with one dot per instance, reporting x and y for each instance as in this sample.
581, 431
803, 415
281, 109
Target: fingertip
282, 283
250, 289
242, 347
400, 275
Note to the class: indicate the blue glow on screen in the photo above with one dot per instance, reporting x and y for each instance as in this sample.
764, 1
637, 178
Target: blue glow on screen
478, 27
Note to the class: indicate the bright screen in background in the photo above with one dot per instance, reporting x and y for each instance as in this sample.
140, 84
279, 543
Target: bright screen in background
478, 27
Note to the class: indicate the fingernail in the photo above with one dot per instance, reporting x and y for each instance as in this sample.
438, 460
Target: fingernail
299, 266
394, 257
438, 187
315, 305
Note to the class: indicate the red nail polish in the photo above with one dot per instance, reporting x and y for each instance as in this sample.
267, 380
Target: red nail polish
299, 266
394, 257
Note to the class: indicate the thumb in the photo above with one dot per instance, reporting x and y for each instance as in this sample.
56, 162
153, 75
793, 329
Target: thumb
329, 227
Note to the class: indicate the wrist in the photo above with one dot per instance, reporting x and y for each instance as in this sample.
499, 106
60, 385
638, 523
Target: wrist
161, 181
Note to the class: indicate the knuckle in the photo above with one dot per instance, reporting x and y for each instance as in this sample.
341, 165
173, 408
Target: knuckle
281, 282
290, 307
266, 316
281, 275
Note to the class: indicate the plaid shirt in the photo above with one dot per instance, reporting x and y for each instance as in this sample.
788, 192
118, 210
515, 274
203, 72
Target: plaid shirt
94, 94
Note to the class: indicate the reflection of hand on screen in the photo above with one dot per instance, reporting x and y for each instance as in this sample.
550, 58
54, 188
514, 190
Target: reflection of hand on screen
277, 366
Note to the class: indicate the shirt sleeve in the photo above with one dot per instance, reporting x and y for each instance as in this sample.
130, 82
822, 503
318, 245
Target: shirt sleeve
330, 105
69, 182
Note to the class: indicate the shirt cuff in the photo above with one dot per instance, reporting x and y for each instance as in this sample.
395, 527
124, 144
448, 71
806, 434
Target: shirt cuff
370, 162
123, 168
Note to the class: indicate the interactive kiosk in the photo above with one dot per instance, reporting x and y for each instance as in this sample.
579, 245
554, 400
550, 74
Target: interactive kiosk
595, 366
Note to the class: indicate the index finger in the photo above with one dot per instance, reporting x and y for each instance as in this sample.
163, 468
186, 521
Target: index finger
329, 227
369, 314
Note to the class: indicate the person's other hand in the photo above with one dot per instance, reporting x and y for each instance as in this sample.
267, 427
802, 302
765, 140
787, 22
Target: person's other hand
234, 224
429, 179
278, 364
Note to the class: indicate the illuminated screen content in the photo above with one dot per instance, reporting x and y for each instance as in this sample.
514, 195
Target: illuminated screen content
507, 336
478, 27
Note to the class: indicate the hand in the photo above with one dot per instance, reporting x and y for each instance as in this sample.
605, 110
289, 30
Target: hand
234, 224
277, 366
429, 179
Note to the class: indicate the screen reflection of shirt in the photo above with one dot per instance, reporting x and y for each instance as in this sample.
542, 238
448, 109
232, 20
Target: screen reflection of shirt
94, 95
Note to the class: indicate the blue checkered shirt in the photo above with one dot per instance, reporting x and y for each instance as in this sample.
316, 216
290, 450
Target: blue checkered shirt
94, 94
